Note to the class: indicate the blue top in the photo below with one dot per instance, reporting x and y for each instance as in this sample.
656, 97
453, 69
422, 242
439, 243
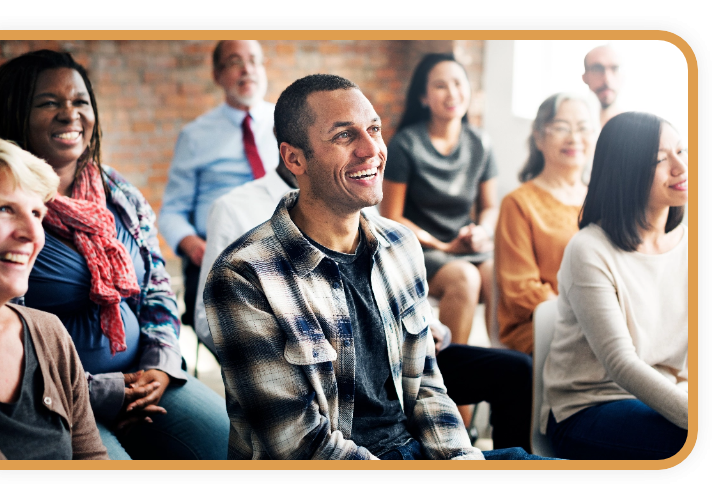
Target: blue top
208, 162
60, 283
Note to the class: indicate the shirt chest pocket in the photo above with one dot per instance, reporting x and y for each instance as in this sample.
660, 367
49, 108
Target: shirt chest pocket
416, 320
309, 352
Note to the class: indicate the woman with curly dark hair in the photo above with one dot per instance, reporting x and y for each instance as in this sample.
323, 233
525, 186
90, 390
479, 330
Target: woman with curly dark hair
101, 272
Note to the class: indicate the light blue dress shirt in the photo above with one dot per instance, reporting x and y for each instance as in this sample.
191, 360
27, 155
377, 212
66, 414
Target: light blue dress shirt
208, 162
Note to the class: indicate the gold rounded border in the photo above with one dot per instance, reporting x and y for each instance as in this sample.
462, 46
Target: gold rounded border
658, 35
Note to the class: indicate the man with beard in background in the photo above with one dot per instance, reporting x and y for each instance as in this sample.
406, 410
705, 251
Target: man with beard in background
603, 76
228, 146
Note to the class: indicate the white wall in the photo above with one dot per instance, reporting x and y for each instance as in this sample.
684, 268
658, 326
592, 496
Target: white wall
508, 132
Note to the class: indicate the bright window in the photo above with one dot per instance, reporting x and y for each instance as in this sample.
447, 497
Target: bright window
655, 76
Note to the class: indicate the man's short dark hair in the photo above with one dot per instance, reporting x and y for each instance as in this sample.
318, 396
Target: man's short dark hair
293, 116
624, 166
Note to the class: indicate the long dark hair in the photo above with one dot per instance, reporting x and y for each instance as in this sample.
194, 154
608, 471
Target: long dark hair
414, 111
623, 172
17, 86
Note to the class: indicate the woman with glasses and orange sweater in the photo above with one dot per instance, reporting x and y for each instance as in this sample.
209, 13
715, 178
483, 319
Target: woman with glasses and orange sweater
539, 218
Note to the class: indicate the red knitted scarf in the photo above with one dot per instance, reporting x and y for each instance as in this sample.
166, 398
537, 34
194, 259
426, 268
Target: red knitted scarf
84, 219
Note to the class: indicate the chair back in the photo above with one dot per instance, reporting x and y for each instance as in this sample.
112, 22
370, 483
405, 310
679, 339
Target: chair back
493, 329
543, 329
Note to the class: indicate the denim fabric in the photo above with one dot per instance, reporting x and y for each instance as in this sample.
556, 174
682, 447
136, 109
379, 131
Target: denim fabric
195, 427
622, 430
412, 450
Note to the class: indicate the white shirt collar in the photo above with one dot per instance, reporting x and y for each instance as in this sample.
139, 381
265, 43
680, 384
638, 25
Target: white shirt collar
237, 115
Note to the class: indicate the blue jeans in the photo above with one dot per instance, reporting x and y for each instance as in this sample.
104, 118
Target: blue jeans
195, 427
621, 430
412, 450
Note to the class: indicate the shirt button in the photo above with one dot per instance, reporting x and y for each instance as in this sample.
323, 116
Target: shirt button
347, 342
47, 400
335, 284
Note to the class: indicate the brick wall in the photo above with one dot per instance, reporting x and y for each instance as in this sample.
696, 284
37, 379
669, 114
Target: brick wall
148, 90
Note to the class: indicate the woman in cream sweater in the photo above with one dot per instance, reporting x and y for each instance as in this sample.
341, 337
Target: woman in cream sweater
616, 376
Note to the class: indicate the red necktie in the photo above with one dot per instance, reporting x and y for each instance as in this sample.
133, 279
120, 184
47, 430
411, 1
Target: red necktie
248, 142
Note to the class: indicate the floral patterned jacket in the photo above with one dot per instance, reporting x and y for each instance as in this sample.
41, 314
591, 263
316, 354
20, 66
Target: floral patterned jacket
155, 306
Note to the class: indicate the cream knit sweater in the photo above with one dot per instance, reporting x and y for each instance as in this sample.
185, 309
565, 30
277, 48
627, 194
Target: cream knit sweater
621, 329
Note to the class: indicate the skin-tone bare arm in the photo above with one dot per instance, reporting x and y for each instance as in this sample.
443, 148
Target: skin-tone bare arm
487, 204
470, 239
480, 236
193, 246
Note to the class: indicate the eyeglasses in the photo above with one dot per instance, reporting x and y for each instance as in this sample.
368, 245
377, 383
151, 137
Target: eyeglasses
241, 63
563, 131
600, 69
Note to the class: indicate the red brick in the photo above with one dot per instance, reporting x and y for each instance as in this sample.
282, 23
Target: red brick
329, 48
166, 87
282, 49
151, 76
143, 126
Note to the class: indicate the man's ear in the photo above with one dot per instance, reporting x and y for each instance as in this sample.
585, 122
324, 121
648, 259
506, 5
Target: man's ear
293, 158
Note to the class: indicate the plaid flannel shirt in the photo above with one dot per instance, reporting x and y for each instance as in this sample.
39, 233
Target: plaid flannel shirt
278, 316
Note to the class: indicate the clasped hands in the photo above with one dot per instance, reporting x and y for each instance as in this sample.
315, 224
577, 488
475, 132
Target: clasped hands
471, 239
142, 393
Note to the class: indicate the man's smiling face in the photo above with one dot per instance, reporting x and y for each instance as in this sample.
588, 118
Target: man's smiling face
345, 164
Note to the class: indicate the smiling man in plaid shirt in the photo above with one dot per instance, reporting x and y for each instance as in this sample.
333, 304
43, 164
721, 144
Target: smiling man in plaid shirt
320, 315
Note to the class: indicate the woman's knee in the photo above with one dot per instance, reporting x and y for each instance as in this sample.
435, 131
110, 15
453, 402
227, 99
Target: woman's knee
460, 278
487, 273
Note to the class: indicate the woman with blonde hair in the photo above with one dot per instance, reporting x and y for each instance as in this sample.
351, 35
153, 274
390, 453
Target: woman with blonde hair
44, 405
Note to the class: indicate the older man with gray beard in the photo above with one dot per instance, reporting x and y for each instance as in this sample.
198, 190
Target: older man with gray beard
228, 146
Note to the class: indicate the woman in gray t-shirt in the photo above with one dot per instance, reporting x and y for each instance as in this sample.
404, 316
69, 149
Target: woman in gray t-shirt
440, 181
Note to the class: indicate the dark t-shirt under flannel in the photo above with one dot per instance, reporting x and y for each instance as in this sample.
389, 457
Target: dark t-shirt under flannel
379, 423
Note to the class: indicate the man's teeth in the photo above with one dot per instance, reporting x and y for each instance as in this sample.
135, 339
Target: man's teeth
68, 135
15, 257
364, 173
